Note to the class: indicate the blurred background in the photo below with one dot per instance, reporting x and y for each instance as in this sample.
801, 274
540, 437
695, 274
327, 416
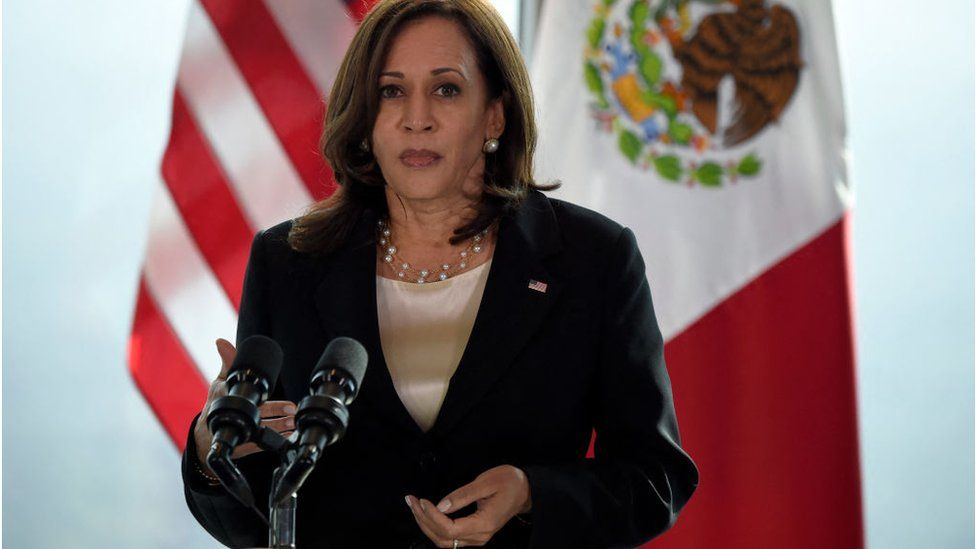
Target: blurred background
87, 111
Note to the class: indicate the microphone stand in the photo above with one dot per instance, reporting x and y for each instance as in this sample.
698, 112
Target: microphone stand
281, 517
281, 527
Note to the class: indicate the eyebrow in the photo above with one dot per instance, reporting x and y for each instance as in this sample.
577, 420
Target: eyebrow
434, 72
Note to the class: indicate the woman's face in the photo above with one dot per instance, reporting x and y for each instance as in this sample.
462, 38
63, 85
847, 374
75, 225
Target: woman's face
434, 113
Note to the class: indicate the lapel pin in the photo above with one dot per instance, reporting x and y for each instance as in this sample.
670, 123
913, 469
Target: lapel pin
537, 286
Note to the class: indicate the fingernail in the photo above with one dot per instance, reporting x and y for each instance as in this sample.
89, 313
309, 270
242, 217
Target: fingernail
423, 505
444, 505
290, 423
290, 409
407, 499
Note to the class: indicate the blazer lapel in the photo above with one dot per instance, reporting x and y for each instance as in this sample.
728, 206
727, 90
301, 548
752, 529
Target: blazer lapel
511, 310
346, 303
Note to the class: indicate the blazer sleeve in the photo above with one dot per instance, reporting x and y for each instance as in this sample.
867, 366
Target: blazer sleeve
640, 478
214, 508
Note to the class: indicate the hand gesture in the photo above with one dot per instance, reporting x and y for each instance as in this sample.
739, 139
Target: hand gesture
276, 414
500, 492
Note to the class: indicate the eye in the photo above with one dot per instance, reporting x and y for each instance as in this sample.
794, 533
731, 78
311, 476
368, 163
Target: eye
389, 91
448, 90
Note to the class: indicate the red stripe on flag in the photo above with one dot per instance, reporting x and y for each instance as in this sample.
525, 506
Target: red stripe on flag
282, 88
205, 201
359, 8
163, 370
764, 386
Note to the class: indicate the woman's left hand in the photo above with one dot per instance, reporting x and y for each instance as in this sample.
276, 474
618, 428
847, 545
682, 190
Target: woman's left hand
500, 492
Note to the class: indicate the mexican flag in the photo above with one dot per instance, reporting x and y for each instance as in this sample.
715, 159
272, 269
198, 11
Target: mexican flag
715, 131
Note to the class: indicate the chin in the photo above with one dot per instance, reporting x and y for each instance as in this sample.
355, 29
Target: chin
421, 191
416, 188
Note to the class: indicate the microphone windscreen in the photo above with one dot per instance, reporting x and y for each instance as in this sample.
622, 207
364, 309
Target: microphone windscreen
262, 354
344, 353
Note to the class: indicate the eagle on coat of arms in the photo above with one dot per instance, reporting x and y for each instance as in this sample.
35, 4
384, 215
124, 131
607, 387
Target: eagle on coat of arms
631, 65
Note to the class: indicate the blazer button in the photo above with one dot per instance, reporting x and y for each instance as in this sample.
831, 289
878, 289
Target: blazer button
428, 460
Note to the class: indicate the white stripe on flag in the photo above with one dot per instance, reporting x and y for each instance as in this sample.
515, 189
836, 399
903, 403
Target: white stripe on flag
318, 31
257, 168
184, 286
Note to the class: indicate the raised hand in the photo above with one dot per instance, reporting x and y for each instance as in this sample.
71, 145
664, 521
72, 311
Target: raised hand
276, 414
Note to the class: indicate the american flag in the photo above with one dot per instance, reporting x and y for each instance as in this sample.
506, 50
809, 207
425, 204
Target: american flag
248, 107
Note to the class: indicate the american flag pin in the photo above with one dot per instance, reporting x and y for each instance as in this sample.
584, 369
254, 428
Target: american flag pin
538, 286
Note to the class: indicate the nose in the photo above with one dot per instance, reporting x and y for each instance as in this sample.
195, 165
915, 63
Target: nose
417, 116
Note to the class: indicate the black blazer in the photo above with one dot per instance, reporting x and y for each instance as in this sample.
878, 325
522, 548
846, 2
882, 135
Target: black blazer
540, 372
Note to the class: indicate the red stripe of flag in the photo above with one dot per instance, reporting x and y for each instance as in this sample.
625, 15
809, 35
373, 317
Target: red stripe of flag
163, 370
286, 94
359, 8
765, 394
205, 201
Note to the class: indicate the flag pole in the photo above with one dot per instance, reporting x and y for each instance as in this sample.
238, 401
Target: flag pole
528, 23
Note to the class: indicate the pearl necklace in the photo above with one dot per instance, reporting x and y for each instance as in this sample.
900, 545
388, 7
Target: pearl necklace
421, 276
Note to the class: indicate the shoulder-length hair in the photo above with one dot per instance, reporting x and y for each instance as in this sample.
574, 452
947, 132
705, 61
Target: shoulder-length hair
353, 107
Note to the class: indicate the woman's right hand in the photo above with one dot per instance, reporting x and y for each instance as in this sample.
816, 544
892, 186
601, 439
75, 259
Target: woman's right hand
276, 414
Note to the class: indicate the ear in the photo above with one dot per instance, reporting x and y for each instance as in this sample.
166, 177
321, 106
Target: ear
496, 118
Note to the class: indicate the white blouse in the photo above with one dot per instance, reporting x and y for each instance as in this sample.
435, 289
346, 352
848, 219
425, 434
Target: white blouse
424, 329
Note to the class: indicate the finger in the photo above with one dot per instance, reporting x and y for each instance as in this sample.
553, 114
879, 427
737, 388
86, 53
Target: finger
217, 389
439, 535
476, 530
440, 523
280, 424
278, 408
477, 489
424, 524
227, 354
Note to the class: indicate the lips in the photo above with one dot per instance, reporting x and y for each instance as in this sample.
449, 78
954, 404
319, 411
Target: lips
419, 158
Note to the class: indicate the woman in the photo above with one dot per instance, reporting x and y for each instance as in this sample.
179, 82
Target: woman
502, 326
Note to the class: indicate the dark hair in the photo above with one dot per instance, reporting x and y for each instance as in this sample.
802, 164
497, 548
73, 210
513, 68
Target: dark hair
355, 99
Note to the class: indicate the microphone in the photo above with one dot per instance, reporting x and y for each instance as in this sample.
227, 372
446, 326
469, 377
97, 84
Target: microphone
323, 416
234, 418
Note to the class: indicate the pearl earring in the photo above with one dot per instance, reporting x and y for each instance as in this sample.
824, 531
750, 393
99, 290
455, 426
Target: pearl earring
364, 145
491, 145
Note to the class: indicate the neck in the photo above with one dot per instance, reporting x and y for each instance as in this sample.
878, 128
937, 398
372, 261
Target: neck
420, 232
429, 224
